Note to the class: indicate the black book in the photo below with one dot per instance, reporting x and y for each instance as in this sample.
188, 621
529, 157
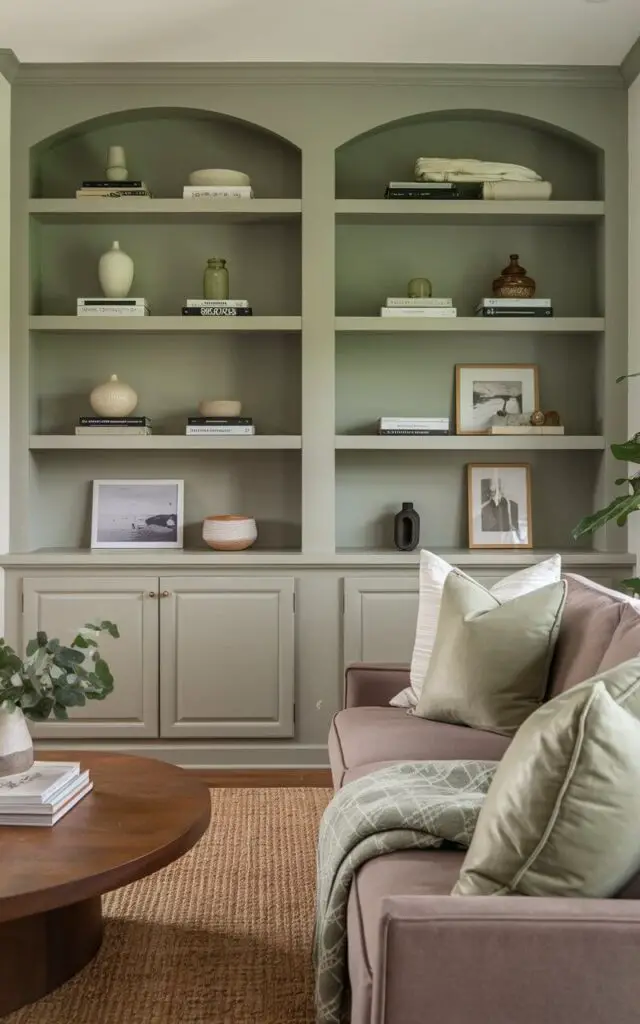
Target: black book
220, 421
217, 311
474, 192
413, 433
114, 421
519, 311
113, 184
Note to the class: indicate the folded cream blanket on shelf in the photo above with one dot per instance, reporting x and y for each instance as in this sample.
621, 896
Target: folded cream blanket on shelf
432, 168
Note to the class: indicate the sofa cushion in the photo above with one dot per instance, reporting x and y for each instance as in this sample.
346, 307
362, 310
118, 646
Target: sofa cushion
360, 736
625, 643
589, 620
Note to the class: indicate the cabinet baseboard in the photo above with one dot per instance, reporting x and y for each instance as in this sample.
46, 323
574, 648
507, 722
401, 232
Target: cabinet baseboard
258, 778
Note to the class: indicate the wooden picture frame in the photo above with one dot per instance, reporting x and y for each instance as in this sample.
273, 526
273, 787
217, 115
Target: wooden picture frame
505, 524
525, 398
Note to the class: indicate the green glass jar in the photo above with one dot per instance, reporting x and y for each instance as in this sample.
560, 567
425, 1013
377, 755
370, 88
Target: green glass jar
216, 279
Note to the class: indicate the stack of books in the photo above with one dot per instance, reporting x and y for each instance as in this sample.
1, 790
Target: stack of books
217, 307
433, 190
514, 307
401, 426
43, 794
112, 307
418, 307
220, 426
217, 192
113, 190
97, 426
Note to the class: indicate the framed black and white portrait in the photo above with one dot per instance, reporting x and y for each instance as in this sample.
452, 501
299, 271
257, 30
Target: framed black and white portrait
499, 506
489, 390
137, 514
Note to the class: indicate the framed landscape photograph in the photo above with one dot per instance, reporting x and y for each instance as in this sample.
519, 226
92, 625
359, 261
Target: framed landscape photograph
137, 514
499, 506
487, 389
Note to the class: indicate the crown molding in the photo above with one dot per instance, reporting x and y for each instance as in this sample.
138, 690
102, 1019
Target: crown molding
9, 65
262, 73
630, 66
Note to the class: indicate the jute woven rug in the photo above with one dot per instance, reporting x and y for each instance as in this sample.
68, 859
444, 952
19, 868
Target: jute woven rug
223, 936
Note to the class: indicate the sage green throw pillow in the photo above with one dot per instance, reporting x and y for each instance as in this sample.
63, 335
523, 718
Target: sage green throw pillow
490, 660
561, 817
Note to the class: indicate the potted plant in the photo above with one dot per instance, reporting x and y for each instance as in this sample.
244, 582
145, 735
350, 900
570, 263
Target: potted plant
621, 507
49, 680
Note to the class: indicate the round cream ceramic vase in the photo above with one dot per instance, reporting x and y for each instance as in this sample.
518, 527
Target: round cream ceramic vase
229, 533
113, 399
16, 747
115, 272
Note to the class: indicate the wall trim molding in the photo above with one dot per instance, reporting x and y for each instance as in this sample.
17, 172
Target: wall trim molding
253, 73
630, 66
263, 778
9, 65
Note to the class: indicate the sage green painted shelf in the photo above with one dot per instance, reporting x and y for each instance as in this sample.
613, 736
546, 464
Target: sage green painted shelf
167, 442
407, 211
164, 324
471, 442
88, 211
475, 324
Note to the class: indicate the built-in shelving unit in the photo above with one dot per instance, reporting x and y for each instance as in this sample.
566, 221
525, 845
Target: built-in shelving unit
468, 324
158, 443
462, 443
407, 211
165, 324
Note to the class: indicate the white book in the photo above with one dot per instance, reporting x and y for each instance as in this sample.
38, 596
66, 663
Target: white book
444, 186
49, 819
422, 303
102, 301
113, 311
229, 303
438, 311
113, 431
217, 192
408, 423
525, 429
37, 784
52, 805
221, 430
513, 303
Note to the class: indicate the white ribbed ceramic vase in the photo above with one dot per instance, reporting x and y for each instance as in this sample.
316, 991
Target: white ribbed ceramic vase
113, 399
229, 533
115, 272
16, 748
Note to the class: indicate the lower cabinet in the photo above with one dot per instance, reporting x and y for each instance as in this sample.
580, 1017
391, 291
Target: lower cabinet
380, 615
198, 656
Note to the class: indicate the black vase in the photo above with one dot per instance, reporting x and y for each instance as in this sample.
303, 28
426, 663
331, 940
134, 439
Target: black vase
406, 527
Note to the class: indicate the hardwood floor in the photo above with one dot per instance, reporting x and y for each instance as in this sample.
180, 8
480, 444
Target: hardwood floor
254, 778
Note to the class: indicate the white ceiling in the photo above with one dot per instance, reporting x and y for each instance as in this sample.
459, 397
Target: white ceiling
547, 32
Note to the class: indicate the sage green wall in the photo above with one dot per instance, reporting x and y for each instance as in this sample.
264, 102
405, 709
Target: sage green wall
634, 278
5, 218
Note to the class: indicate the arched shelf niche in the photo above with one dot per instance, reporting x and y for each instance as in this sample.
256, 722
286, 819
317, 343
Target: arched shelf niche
163, 145
365, 163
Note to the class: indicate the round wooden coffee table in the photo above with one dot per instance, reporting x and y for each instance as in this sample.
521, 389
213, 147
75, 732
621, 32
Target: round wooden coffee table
141, 815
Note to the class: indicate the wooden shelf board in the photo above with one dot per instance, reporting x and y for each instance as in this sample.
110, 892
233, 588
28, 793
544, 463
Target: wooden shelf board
160, 442
407, 211
164, 324
471, 324
470, 442
240, 211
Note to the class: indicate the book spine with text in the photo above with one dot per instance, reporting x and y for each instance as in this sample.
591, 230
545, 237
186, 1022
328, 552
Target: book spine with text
411, 311
407, 303
217, 311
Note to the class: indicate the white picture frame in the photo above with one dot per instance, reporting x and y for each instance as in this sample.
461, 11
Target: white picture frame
122, 509
499, 498
483, 390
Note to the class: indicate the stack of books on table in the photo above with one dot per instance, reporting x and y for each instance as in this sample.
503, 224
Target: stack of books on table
413, 426
112, 307
220, 426
97, 426
433, 190
419, 307
217, 192
113, 190
514, 307
43, 794
217, 307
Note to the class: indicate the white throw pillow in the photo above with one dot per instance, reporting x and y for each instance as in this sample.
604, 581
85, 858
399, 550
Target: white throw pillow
433, 572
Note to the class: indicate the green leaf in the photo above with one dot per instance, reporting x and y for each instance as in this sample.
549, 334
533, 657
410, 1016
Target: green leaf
629, 451
32, 647
632, 584
618, 509
626, 376
60, 712
41, 638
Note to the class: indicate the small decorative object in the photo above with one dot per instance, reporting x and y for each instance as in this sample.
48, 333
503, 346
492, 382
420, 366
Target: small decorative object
499, 506
218, 176
229, 533
552, 419
137, 514
116, 164
483, 391
50, 679
513, 282
219, 407
115, 272
406, 528
510, 419
537, 418
419, 288
216, 279
113, 399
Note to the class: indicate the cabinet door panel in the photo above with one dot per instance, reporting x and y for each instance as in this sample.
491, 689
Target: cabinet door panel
380, 618
59, 606
227, 656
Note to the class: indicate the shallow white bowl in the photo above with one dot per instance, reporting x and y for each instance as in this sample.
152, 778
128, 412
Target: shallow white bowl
218, 176
229, 533
219, 407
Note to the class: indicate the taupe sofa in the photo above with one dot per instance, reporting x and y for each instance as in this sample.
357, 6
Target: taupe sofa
417, 954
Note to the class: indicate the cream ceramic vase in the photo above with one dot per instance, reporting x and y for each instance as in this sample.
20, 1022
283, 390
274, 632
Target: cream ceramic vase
113, 399
115, 272
16, 748
116, 164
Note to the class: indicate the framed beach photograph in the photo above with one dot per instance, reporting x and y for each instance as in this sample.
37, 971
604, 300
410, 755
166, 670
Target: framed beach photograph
137, 514
499, 506
489, 389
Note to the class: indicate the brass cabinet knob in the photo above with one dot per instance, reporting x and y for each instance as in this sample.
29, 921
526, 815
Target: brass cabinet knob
152, 593
165, 593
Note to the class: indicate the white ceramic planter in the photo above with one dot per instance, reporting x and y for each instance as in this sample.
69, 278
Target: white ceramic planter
229, 533
115, 272
113, 399
16, 748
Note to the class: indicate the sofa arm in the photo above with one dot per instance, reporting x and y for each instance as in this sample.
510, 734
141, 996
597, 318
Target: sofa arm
507, 959
373, 686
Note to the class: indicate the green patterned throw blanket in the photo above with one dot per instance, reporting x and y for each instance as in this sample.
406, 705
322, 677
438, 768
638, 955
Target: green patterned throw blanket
413, 805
